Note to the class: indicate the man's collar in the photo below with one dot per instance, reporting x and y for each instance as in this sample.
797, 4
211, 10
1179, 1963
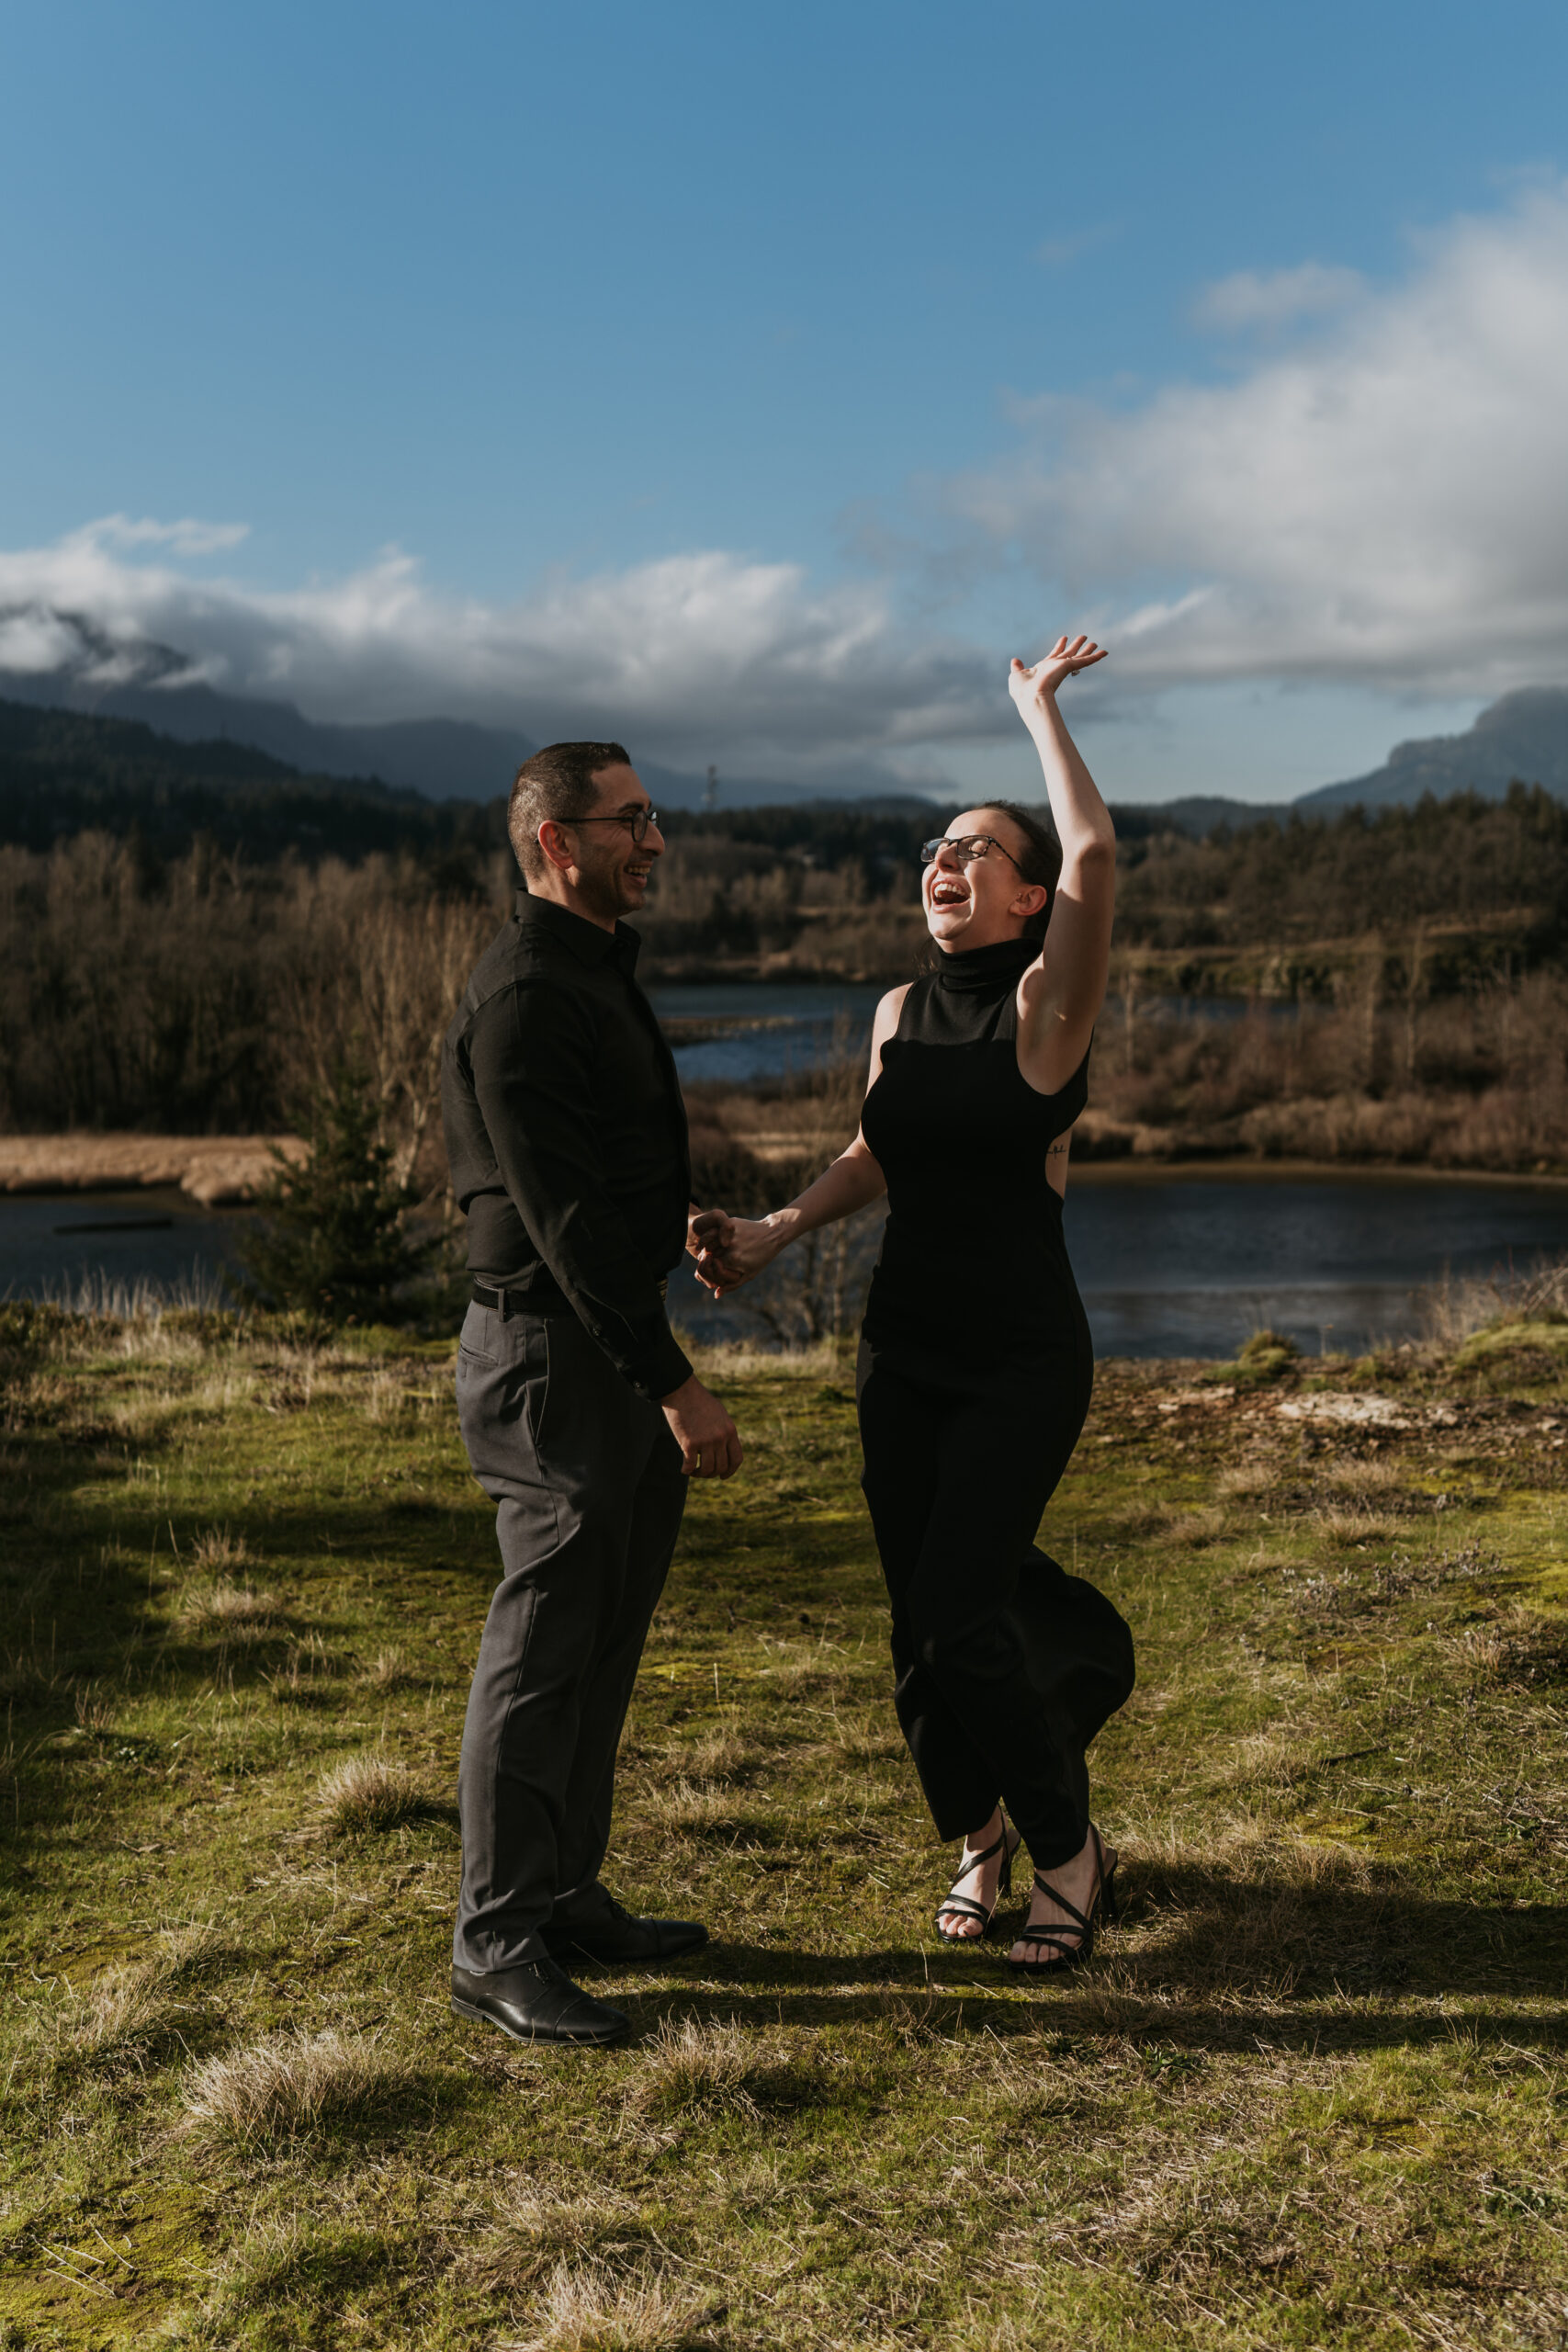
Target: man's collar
589, 941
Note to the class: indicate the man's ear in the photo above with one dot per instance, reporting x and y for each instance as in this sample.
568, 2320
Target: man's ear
556, 845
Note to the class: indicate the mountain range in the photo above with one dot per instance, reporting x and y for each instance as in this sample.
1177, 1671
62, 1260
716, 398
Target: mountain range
445, 759
1524, 735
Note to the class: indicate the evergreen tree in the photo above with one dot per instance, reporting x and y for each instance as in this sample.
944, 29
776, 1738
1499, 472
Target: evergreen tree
331, 1236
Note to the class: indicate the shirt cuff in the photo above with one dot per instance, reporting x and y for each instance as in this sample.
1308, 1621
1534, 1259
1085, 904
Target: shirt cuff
661, 1369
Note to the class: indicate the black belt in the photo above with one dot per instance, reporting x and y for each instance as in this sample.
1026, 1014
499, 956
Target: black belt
515, 1302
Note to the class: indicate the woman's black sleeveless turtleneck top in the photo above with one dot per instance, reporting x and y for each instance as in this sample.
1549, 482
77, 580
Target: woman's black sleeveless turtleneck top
973, 1285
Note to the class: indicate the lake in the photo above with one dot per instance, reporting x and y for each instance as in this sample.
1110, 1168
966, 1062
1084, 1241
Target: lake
1169, 1265
756, 1030
1187, 1264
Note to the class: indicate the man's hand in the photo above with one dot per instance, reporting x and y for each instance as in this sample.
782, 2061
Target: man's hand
708, 1439
707, 1232
746, 1245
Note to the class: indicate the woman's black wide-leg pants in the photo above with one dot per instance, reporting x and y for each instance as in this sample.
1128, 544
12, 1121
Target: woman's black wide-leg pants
1005, 1665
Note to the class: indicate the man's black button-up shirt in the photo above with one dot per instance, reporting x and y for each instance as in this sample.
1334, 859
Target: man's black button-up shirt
565, 1135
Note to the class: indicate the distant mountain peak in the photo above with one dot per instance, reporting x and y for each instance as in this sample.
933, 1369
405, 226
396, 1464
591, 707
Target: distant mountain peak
43, 640
1522, 737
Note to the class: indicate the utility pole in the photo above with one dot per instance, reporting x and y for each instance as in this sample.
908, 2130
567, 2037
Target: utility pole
710, 795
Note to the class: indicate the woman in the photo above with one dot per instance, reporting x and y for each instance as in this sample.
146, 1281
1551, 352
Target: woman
976, 1363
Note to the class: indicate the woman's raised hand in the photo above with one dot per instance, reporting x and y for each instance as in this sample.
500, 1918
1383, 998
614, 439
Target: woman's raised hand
1030, 687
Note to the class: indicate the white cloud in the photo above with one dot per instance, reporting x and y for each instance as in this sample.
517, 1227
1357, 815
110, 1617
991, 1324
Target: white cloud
1386, 503
697, 657
1379, 500
1274, 297
187, 536
1060, 253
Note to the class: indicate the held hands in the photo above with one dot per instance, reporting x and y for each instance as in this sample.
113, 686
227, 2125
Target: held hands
1031, 689
733, 1250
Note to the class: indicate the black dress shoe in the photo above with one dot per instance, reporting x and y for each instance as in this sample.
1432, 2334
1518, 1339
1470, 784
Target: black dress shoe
537, 2001
615, 1936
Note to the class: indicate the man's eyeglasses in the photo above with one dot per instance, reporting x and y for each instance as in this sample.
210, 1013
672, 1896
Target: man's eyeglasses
635, 821
965, 849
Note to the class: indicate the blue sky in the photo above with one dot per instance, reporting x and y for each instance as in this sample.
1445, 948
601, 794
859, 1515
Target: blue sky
762, 379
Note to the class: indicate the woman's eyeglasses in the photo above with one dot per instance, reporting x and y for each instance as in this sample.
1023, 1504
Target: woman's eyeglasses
635, 821
965, 849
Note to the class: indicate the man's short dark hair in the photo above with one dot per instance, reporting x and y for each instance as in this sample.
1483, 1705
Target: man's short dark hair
556, 782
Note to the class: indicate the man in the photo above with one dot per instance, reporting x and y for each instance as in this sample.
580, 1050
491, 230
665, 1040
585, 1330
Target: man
582, 1418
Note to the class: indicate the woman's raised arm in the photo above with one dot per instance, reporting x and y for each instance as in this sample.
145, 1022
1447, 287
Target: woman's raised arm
1062, 992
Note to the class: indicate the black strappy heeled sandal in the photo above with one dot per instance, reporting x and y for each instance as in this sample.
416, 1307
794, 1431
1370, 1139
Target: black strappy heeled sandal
1069, 1945
966, 1909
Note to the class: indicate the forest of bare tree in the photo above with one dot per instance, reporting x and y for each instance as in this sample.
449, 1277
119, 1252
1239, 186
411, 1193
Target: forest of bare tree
1384, 988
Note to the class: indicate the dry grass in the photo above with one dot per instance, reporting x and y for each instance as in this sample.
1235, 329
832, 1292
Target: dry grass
806, 1669
1347, 1528
236, 1611
289, 2083
94, 1707
367, 1796
130, 2009
1459, 1306
1358, 1478
692, 2065
724, 1754
218, 1553
536, 2223
867, 1739
1199, 1528
1307, 2086
690, 1809
1249, 1481
593, 2308
387, 1670
307, 1672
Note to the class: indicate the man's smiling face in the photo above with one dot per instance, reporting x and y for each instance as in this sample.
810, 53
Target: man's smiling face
613, 869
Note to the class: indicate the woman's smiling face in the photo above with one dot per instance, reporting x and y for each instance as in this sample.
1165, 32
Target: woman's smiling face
974, 904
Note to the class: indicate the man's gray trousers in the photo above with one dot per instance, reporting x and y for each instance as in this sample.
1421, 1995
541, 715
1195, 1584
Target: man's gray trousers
589, 1491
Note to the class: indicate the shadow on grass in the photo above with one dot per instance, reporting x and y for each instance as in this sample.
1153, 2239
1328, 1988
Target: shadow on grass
1085, 2011
1222, 1943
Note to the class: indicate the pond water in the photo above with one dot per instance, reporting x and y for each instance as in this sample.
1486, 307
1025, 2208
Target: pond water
1169, 1265
737, 1035
60, 1245
1188, 1265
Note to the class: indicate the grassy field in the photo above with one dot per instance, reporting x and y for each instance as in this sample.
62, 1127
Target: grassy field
1311, 2092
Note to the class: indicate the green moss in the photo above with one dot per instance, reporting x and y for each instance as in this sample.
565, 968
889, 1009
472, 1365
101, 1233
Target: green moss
1311, 2091
1266, 1356
1546, 1336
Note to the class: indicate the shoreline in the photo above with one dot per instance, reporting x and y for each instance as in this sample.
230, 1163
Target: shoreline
1129, 1169
218, 1172
225, 1170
